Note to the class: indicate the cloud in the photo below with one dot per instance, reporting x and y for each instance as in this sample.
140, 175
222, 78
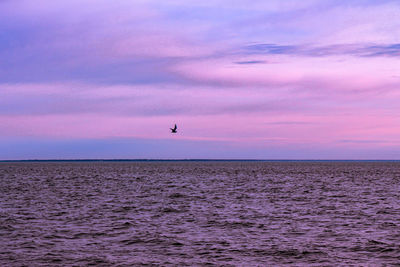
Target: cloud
143, 101
251, 62
290, 123
358, 50
362, 141
111, 43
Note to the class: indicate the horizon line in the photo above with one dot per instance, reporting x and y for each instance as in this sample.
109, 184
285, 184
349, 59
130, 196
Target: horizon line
189, 159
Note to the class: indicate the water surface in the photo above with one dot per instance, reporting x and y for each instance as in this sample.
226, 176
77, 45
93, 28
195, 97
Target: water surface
199, 213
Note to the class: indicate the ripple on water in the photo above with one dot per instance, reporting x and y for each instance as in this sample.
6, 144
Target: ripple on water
199, 213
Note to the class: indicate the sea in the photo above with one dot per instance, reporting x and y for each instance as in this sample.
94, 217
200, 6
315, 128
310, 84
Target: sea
200, 213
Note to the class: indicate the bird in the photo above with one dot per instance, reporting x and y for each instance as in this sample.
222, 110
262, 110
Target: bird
173, 130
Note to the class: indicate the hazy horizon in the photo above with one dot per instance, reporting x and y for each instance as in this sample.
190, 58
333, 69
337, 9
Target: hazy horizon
192, 160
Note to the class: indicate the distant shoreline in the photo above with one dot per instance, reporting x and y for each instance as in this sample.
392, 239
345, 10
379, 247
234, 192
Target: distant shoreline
195, 160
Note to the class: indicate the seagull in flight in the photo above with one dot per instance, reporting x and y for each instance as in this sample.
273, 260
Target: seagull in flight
173, 130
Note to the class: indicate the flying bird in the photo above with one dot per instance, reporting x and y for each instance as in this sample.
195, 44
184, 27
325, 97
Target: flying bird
173, 130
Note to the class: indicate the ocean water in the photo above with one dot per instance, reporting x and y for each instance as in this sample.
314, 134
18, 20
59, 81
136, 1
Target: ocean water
200, 214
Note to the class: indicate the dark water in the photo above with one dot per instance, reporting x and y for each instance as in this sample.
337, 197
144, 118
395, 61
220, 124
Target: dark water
200, 213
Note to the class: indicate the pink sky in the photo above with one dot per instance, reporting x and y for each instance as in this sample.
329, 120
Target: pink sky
270, 80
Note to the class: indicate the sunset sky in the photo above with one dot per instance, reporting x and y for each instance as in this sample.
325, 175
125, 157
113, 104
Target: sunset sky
304, 79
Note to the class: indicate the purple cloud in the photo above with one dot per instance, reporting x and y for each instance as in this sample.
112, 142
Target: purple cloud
358, 50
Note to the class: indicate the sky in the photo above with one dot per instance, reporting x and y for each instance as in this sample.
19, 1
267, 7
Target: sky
100, 79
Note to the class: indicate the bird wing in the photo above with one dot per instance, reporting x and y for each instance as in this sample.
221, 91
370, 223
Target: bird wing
175, 127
